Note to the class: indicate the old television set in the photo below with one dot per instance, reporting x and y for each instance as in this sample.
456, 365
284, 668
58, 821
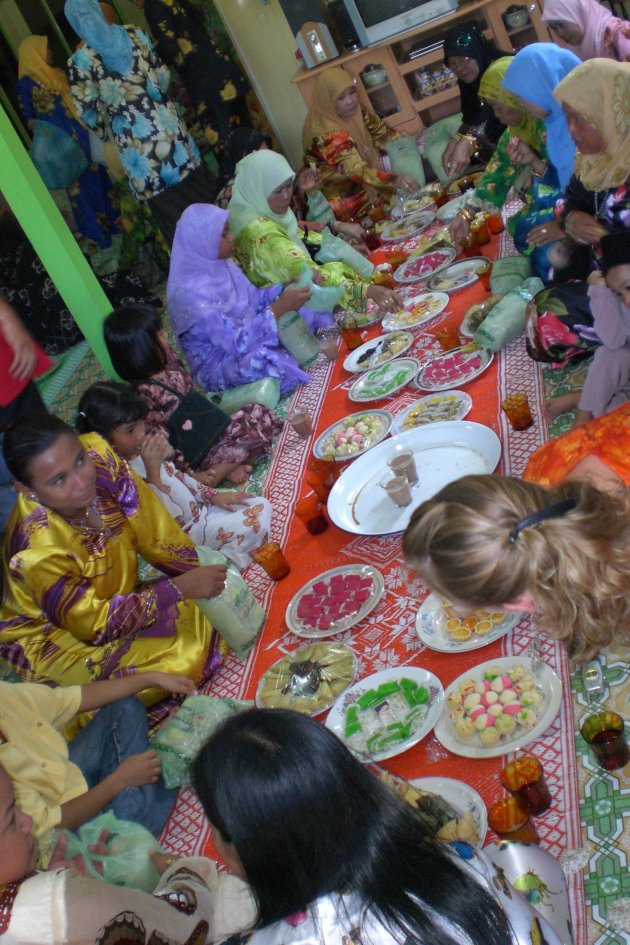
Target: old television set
378, 20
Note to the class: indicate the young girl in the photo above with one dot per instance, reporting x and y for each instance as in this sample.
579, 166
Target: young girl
138, 346
234, 523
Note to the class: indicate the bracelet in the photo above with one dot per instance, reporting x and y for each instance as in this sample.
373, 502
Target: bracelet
541, 173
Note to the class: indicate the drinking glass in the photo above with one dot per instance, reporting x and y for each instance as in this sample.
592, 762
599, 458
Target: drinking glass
604, 733
495, 222
328, 343
301, 422
397, 489
525, 778
516, 407
271, 559
404, 464
448, 337
349, 330
510, 819
484, 273
311, 513
321, 475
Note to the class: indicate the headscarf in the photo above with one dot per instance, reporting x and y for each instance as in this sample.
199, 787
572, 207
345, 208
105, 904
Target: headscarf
257, 176
469, 41
490, 87
599, 90
239, 142
591, 17
112, 43
32, 63
323, 120
197, 278
533, 75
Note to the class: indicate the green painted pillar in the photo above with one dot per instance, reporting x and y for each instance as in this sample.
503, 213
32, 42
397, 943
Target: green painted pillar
53, 242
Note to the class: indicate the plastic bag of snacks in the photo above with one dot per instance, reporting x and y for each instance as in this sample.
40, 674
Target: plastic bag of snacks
323, 297
179, 741
506, 320
509, 273
234, 613
334, 249
405, 158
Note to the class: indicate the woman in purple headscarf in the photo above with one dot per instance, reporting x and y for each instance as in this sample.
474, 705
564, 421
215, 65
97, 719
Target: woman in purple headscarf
226, 327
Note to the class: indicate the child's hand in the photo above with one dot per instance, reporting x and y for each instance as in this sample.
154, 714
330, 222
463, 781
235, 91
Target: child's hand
170, 682
155, 448
138, 770
229, 500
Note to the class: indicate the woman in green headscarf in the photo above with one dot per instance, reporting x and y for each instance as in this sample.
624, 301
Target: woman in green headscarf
521, 162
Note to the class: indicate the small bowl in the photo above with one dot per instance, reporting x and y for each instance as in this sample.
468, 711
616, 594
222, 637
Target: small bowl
515, 17
374, 76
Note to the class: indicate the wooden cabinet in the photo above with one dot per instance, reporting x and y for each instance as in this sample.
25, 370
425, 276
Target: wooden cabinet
415, 89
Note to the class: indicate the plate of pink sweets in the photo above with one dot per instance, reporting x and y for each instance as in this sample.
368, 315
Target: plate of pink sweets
453, 368
334, 601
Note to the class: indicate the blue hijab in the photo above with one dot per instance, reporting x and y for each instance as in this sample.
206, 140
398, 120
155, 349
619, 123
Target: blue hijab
533, 74
112, 43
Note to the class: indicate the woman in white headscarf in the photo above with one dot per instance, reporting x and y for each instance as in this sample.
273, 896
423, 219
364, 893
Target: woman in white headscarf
589, 28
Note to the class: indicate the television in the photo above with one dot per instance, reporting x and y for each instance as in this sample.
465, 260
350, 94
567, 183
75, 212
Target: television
378, 20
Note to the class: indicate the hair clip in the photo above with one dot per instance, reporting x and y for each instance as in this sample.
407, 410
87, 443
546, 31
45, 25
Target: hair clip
557, 510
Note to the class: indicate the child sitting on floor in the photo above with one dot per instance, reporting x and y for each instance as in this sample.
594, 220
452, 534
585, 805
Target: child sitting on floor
234, 523
138, 346
106, 766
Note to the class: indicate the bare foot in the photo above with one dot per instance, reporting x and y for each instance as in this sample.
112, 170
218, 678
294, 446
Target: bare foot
239, 475
557, 405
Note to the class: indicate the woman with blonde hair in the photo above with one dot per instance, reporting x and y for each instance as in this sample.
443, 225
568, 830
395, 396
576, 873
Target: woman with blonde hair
562, 553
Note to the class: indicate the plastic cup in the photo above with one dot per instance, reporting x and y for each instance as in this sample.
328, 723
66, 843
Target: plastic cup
301, 422
495, 222
398, 489
516, 408
271, 559
484, 273
321, 476
604, 734
525, 778
510, 819
311, 513
448, 337
404, 464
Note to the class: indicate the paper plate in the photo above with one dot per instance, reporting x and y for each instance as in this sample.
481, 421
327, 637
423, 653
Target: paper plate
407, 226
427, 305
372, 354
448, 211
461, 797
458, 275
443, 452
303, 626
379, 420
549, 686
384, 381
336, 720
447, 405
423, 266
431, 627
457, 366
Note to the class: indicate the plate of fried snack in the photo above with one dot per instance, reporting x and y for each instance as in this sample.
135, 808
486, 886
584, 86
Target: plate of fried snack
442, 628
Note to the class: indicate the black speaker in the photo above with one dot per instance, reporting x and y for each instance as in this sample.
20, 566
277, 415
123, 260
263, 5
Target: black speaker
299, 12
343, 25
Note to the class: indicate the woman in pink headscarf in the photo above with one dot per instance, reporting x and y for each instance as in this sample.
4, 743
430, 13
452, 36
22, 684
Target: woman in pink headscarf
589, 28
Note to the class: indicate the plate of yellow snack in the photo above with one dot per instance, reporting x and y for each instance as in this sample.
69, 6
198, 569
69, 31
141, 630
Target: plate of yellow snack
308, 680
452, 809
442, 629
445, 405
418, 310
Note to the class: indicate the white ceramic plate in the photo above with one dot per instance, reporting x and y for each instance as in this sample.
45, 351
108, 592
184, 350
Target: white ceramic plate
413, 205
443, 452
447, 405
432, 304
448, 211
303, 629
476, 314
458, 275
460, 367
551, 688
431, 628
306, 704
323, 449
461, 797
408, 226
422, 677
376, 349
384, 381
421, 267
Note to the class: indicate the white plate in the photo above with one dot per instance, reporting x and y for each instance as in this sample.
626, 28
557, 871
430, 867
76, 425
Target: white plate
550, 686
448, 211
461, 274
384, 381
443, 452
365, 319
456, 404
408, 226
436, 302
353, 363
461, 797
470, 324
481, 358
308, 705
431, 628
300, 629
421, 267
413, 205
422, 677
321, 451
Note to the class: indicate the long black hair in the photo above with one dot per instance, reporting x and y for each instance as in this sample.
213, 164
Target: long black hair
307, 819
28, 436
131, 337
107, 405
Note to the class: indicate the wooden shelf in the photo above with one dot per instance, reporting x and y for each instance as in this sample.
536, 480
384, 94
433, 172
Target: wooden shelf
429, 101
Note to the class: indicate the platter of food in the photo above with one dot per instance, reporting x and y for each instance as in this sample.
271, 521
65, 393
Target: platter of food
412, 204
423, 266
498, 706
442, 798
384, 381
309, 679
418, 310
442, 452
407, 226
386, 713
378, 351
458, 275
448, 211
476, 314
457, 366
354, 435
446, 405
442, 629
334, 601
